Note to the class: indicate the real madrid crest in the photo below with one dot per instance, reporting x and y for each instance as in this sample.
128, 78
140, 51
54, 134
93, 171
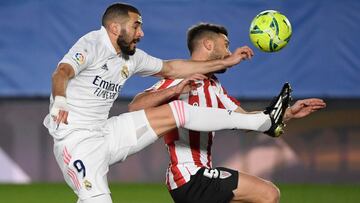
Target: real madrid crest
87, 185
125, 72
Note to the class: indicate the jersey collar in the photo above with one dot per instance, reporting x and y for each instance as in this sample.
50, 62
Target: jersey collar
106, 39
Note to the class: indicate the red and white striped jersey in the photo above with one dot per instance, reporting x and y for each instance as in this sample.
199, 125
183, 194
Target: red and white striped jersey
189, 150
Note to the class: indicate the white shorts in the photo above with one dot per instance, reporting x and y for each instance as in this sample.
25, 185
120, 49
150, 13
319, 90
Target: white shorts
84, 155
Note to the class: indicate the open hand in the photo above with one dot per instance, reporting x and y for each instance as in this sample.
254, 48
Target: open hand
303, 108
239, 55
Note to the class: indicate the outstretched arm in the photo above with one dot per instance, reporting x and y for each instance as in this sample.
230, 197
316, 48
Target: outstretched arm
186, 68
155, 98
303, 108
300, 109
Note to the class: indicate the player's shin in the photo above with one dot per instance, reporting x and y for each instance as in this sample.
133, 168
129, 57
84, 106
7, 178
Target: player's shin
212, 119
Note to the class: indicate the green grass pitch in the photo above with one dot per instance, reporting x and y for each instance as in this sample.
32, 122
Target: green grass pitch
157, 193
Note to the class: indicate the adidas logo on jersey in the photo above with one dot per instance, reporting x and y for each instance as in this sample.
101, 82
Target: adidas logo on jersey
104, 67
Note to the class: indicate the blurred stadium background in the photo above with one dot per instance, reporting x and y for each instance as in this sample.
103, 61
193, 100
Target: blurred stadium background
321, 60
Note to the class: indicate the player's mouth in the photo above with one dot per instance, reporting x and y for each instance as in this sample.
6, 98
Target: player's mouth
135, 41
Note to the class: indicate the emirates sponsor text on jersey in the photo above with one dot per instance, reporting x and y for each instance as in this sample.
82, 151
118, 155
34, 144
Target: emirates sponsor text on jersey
106, 89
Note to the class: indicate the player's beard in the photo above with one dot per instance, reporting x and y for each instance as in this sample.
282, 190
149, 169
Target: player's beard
125, 45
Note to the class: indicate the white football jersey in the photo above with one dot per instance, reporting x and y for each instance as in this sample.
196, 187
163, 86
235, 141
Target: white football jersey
100, 74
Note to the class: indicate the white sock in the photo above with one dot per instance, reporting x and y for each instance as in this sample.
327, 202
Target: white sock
212, 119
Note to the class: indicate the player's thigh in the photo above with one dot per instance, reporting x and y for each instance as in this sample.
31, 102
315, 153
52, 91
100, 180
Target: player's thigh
127, 134
254, 189
84, 163
161, 119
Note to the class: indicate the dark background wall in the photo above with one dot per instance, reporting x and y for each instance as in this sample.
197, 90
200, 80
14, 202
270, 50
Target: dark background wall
322, 148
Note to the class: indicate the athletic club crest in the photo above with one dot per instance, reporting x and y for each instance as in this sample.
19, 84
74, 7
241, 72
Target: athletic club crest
158, 84
224, 174
125, 72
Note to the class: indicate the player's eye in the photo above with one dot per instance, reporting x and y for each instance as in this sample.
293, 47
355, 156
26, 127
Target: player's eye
137, 24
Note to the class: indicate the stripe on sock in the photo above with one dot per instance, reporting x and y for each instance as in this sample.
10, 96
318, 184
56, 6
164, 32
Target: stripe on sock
179, 108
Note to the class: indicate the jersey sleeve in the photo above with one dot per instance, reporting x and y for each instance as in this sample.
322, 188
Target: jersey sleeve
228, 101
146, 65
79, 56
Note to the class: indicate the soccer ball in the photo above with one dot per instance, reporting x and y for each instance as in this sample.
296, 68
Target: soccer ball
270, 31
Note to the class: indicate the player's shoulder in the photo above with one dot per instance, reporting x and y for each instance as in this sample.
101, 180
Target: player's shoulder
93, 40
139, 54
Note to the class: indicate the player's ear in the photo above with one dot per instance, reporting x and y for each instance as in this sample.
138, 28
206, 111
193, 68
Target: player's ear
114, 28
208, 44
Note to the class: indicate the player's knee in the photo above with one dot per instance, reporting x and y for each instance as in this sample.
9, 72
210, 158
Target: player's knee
272, 194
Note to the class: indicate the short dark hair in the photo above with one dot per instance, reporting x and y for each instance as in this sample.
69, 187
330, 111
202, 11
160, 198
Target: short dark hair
117, 10
201, 30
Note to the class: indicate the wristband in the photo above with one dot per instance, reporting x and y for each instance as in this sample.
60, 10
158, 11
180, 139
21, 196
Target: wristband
59, 104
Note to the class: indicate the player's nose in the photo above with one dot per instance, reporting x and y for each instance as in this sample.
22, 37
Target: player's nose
140, 33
